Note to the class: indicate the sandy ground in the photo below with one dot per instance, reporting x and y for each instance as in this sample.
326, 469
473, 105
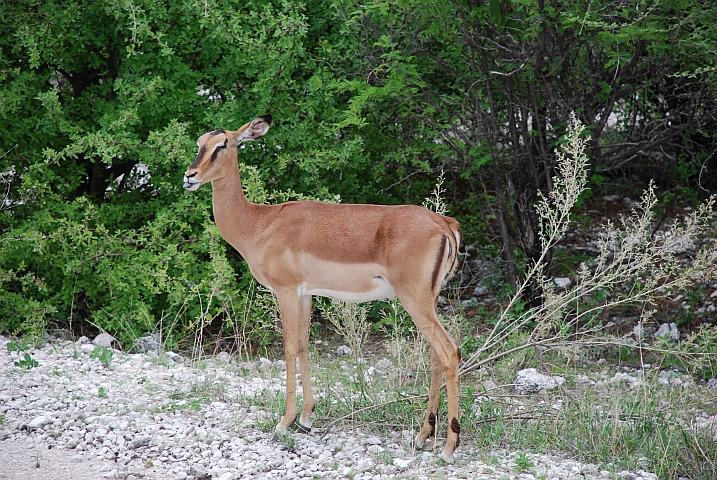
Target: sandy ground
21, 459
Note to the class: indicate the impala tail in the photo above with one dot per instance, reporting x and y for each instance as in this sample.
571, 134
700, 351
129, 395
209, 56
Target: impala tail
447, 259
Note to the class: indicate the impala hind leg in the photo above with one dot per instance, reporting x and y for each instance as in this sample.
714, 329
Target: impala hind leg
290, 306
304, 328
444, 352
429, 423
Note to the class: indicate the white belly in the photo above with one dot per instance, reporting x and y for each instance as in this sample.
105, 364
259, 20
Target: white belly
381, 289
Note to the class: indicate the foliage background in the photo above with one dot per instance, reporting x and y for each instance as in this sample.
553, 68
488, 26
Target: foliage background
101, 103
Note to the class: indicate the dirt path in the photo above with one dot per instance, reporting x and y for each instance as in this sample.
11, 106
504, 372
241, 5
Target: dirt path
22, 459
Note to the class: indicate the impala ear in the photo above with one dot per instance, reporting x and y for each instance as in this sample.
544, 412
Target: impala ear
257, 128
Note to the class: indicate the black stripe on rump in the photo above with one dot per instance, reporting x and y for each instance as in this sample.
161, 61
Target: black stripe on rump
439, 262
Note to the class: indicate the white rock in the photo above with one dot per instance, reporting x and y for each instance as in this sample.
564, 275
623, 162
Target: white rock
104, 339
668, 330
140, 442
364, 464
480, 290
175, 357
39, 422
224, 357
670, 377
639, 332
583, 380
562, 282
343, 350
148, 344
530, 380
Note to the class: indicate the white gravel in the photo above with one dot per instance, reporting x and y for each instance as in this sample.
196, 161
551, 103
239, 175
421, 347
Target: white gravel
79, 419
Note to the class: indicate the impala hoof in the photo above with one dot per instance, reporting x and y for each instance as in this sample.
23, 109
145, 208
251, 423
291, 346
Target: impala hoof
446, 456
302, 429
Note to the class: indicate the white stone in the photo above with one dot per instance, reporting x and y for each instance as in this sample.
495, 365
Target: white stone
480, 290
175, 357
224, 357
39, 422
364, 464
343, 350
583, 380
265, 363
562, 282
668, 330
639, 332
104, 339
530, 380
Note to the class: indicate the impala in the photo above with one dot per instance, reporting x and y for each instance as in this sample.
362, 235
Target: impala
354, 253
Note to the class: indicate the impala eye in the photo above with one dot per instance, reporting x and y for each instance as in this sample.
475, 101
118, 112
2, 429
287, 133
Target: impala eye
216, 150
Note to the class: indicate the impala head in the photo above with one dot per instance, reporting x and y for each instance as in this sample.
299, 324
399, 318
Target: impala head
217, 148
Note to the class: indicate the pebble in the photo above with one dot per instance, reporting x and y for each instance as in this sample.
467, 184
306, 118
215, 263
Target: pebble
39, 422
140, 442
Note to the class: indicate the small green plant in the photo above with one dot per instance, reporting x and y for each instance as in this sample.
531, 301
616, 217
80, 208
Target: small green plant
523, 463
17, 347
2, 419
27, 362
101, 392
286, 441
104, 355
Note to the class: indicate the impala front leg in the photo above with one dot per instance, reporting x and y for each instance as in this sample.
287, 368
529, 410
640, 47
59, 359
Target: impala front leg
290, 312
304, 330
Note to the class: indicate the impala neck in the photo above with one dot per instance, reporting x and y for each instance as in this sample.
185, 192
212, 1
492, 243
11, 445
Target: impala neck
233, 213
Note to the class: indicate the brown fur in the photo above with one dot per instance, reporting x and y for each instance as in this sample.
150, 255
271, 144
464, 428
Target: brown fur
359, 252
